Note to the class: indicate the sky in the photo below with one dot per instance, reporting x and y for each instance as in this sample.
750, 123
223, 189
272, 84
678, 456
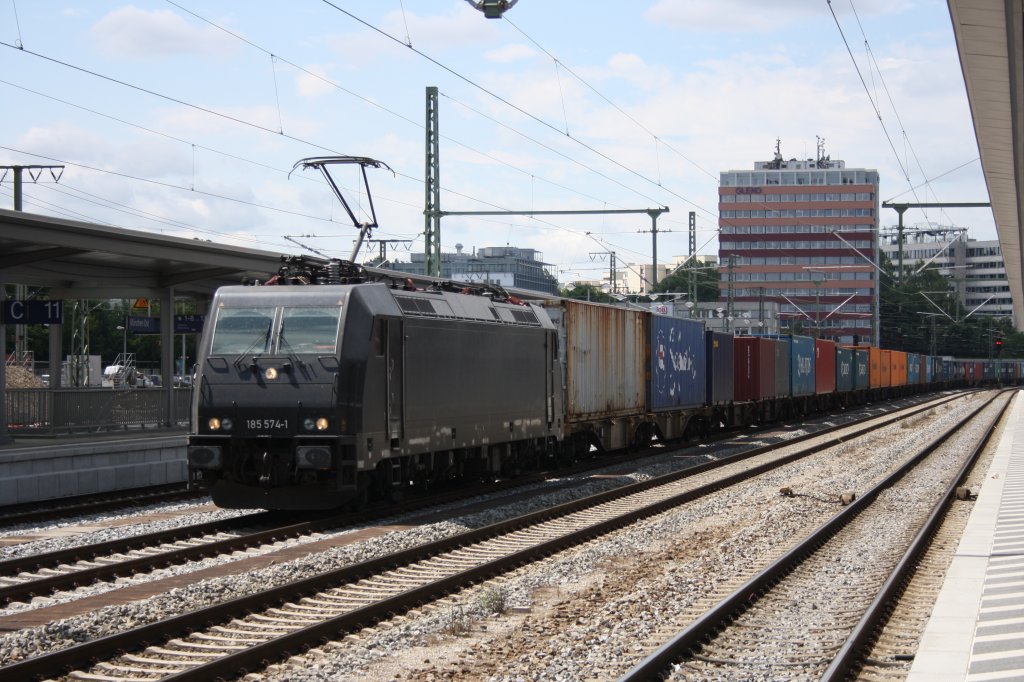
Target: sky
184, 118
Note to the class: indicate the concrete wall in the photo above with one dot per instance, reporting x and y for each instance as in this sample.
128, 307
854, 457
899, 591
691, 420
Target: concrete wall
43, 472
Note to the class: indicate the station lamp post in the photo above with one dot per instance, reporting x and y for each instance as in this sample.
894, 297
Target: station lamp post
124, 341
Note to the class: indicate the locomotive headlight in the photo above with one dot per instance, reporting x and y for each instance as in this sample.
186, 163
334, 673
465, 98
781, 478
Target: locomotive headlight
226, 424
270, 374
214, 424
320, 424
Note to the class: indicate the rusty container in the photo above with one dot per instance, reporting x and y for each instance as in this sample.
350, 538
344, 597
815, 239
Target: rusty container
605, 351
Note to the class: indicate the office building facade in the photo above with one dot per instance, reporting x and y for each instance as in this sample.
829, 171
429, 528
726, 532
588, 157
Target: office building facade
803, 233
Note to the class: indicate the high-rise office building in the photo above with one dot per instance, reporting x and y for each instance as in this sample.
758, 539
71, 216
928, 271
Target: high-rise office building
803, 233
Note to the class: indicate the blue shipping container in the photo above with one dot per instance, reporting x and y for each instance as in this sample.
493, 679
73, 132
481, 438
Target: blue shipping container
861, 367
801, 380
719, 354
676, 363
844, 370
913, 369
929, 370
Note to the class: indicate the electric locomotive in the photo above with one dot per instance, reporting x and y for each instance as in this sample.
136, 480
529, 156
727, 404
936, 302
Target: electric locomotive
314, 397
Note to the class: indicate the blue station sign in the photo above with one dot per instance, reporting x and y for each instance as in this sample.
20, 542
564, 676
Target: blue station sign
33, 312
183, 324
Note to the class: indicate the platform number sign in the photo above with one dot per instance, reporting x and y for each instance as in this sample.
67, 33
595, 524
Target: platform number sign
33, 312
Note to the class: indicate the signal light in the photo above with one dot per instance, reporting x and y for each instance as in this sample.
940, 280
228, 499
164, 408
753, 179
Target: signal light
999, 346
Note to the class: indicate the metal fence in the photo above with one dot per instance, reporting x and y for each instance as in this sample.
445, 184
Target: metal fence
43, 411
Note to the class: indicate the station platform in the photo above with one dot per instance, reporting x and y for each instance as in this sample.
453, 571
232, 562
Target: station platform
976, 630
33, 469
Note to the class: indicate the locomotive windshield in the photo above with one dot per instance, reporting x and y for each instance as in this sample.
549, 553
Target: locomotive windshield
300, 330
242, 330
309, 330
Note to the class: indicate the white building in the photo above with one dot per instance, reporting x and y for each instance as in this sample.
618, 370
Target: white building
975, 269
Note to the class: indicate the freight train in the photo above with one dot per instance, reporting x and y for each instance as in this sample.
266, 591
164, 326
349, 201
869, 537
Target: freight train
320, 396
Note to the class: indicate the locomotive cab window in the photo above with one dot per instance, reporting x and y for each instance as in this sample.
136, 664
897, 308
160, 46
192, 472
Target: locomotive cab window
309, 330
242, 330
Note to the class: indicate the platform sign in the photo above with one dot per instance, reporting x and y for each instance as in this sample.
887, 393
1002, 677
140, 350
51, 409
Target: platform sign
188, 324
143, 325
33, 312
183, 324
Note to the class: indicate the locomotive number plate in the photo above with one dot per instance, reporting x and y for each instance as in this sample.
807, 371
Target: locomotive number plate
266, 424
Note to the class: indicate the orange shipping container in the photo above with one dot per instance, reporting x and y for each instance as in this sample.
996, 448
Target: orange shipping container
898, 376
885, 368
874, 367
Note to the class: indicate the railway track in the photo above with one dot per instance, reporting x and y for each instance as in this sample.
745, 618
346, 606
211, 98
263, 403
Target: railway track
814, 611
893, 649
292, 617
27, 577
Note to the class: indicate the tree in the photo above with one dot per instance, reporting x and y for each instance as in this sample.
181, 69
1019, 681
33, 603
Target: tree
678, 281
586, 292
921, 309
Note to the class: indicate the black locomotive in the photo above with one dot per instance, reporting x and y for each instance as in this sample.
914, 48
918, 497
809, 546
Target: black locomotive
310, 397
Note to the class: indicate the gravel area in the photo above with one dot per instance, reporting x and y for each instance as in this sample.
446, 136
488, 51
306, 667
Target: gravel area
591, 609
183, 514
711, 543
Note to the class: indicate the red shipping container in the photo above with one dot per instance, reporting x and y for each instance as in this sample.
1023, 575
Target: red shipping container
824, 366
753, 368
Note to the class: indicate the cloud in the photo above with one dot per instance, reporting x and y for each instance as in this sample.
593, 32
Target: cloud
132, 32
743, 15
512, 52
464, 26
435, 34
309, 85
134, 155
635, 70
188, 121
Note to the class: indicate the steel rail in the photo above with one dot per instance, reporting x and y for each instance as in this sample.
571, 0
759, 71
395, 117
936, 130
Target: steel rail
691, 638
86, 576
59, 662
850, 656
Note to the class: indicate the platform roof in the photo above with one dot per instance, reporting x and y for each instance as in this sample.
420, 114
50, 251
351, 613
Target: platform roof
88, 261
989, 40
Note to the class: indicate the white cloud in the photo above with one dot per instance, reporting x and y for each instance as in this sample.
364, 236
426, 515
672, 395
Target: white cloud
433, 35
755, 17
187, 121
512, 52
635, 70
133, 32
314, 83
461, 27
